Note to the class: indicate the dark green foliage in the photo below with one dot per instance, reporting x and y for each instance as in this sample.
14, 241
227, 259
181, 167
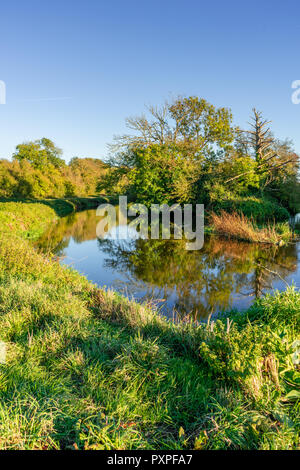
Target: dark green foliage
161, 174
259, 209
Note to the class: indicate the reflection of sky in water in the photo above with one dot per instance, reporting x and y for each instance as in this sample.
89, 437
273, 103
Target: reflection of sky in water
122, 232
102, 262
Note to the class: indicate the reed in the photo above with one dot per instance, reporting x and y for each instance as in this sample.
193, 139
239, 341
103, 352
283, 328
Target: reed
235, 225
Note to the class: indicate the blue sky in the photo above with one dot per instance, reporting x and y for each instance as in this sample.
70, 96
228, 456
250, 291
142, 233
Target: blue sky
75, 69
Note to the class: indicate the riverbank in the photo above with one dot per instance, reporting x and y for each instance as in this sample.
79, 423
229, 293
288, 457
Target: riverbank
29, 218
90, 369
231, 225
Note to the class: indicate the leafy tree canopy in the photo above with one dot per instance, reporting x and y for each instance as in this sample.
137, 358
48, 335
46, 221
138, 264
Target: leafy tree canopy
191, 124
40, 153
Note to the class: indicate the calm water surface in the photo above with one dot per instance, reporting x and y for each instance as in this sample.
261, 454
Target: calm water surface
223, 275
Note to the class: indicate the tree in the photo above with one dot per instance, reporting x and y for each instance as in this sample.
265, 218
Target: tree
260, 139
162, 159
192, 124
39, 153
85, 173
285, 184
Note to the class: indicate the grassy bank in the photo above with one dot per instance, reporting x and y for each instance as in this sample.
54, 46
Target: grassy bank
28, 219
91, 370
60, 206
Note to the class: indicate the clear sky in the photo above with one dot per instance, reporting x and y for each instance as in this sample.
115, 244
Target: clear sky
75, 69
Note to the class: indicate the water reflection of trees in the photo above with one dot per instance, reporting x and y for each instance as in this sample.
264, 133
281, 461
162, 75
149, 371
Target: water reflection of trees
204, 281
201, 282
81, 226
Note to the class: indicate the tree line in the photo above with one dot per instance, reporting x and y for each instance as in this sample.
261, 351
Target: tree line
38, 170
185, 151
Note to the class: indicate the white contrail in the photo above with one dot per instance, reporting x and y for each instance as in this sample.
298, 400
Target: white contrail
58, 98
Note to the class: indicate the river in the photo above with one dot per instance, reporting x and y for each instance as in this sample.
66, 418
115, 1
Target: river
223, 275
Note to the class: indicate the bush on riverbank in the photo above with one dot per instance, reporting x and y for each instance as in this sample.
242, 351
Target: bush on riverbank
90, 369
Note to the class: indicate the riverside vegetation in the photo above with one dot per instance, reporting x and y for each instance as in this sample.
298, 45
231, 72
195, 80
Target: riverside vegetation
187, 151
89, 369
